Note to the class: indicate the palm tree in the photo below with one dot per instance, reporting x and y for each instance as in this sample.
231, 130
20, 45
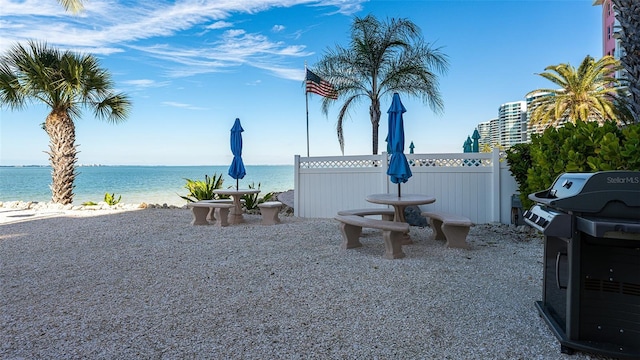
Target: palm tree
383, 58
73, 6
628, 15
589, 93
66, 82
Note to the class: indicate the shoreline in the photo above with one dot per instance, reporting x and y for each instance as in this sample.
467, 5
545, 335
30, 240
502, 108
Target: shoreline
18, 210
286, 197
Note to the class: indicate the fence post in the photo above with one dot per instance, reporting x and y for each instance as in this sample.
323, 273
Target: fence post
296, 185
495, 185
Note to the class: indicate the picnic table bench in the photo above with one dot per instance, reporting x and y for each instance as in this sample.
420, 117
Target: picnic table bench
450, 227
392, 233
387, 214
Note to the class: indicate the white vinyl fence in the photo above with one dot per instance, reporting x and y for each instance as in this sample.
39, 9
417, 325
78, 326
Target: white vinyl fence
476, 185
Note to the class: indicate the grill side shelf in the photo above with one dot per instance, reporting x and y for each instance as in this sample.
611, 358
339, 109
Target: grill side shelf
605, 228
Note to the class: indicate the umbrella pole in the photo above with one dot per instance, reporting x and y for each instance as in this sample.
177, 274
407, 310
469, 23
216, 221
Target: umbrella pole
237, 184
399, 190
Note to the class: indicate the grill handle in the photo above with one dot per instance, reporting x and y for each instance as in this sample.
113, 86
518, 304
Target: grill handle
558, 256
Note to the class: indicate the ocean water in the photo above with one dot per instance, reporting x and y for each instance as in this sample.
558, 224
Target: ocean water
136, 184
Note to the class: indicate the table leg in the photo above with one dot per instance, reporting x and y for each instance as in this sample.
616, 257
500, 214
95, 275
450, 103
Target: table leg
399, 217
235, 213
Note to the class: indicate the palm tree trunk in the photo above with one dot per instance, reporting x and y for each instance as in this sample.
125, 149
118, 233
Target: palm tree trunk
62, 155
374, 114
628, 15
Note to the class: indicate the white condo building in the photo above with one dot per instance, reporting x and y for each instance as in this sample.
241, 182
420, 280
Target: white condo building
489, 133
512, 120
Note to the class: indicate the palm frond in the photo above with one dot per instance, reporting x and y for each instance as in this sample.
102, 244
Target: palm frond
72, 6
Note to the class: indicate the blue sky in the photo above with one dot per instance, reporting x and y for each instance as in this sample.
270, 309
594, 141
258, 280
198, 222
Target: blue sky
192, 67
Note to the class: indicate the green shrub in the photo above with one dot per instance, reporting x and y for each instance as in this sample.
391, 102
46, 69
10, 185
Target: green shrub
203, 190
519, 160
251, 201
579, 147
110, 199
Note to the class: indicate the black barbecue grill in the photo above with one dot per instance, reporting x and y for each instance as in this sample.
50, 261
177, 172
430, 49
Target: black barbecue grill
591, 285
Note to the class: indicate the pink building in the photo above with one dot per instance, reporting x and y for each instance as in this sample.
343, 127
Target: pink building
609, 45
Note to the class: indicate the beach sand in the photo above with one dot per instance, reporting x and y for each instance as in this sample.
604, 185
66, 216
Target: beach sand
106, 284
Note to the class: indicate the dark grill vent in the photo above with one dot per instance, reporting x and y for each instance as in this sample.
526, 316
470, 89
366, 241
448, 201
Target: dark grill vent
612, 287
602, 286
631, 289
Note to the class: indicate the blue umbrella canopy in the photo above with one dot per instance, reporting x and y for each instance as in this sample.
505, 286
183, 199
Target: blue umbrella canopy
476, 143
399, 170
467, 145
236, 170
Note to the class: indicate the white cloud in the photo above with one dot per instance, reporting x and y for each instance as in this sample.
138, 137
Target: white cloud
108, 26
182, 105
145, 83
219, 25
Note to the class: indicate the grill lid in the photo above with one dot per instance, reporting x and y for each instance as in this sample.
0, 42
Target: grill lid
605, 193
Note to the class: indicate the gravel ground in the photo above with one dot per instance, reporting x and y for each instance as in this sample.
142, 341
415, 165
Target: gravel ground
146, 284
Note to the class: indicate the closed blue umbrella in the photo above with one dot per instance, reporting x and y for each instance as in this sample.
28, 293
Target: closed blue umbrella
476, 141
399, 170
467, 145
236, 170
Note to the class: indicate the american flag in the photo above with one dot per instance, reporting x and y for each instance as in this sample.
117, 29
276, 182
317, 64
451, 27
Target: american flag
321, 87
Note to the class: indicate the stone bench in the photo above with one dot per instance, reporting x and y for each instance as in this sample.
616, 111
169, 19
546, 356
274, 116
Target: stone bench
387, 214
269, 211
201, 211
450, 227
392, 233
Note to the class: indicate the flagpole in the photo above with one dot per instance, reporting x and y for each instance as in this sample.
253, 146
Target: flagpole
306, 98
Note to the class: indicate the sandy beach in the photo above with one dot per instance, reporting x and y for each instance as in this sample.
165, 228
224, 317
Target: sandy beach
107, 284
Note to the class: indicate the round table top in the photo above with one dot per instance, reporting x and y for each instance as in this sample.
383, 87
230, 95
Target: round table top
404, 199
236, 191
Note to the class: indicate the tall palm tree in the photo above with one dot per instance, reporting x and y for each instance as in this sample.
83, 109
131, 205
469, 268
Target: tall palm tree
383, 58
628, 15
73, 6
589, 93
66, 82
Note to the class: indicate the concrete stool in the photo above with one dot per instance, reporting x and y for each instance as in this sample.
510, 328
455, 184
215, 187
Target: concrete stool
269, 211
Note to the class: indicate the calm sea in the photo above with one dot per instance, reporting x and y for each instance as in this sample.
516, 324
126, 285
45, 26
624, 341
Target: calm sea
136, 184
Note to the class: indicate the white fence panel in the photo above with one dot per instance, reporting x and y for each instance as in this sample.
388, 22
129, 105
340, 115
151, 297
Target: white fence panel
459, 182
475, 185
326, 185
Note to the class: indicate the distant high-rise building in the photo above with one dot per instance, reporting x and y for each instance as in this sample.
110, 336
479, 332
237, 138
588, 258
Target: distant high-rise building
509, 128
512, 120
484, 129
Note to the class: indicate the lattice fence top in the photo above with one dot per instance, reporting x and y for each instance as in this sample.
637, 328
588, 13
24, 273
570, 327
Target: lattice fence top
449, 162
371, 163
340, 164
